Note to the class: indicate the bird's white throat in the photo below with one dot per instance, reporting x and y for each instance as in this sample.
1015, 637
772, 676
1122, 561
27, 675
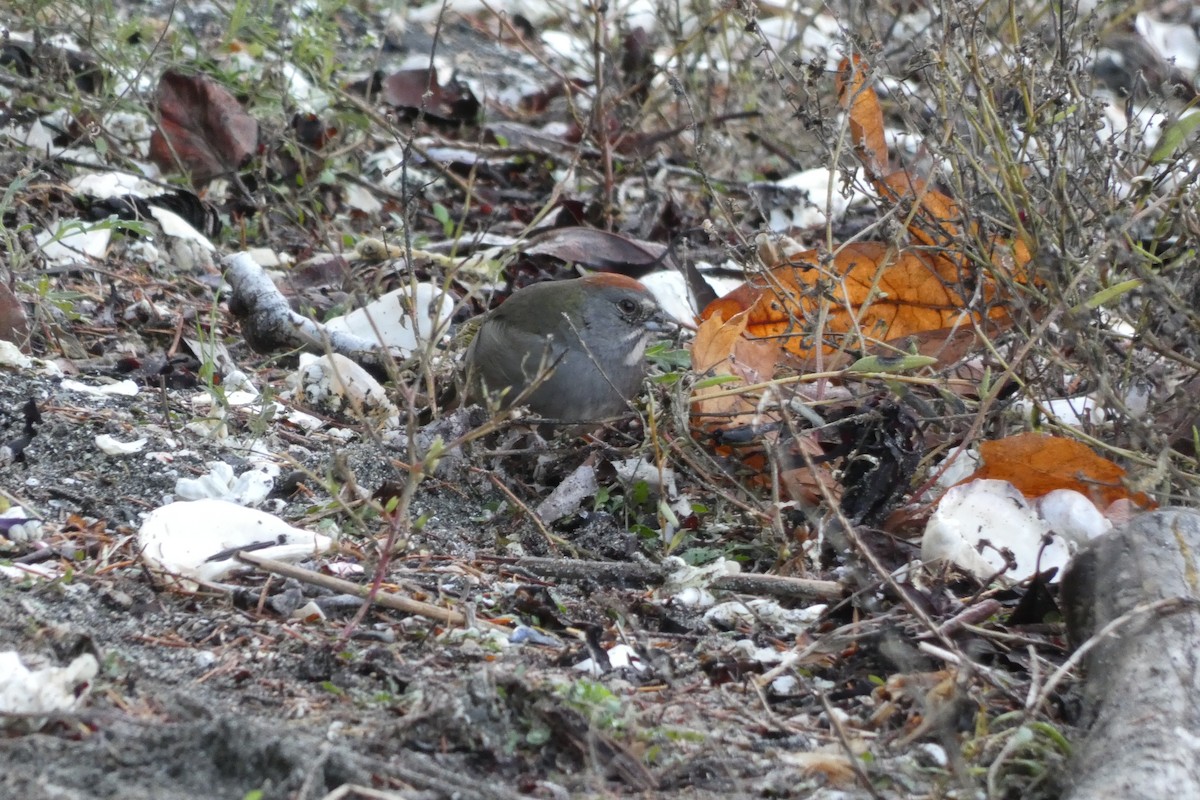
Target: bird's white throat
638, 350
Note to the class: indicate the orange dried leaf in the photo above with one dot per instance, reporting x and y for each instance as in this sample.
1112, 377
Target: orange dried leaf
865, 115
935, 216
722, 349
869, 293
1038, 463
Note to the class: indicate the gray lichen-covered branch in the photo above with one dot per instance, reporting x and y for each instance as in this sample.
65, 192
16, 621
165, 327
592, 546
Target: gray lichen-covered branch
270, 325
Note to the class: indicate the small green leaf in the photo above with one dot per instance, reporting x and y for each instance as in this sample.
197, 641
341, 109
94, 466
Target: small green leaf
891, 364
1173, 136
442, 215
1053, 734
1110, 293
716, 380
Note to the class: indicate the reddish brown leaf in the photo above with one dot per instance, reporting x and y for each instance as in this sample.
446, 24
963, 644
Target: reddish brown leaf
1038, 463
721, 350
202, 128
418, 90
867, 294
14, 326
865, 116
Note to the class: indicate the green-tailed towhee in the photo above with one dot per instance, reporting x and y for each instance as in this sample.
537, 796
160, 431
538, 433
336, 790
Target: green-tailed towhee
580, 344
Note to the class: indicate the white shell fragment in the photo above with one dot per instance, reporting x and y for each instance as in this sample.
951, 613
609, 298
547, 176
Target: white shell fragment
103, 185
570, 494
248, 489
389, 319
336, 384
688, 585
112, 446
975, 521
125, 388
50, 690
635, 470
177, 227
74, 240
764, 613
11, 356
1072, 515
669, 288
181, 537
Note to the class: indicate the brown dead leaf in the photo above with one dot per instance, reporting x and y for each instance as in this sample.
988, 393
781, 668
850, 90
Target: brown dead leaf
867, 294
14, 325
1038, 463
202, 128
812, 478
418, 90
721, 349
865, 117
599, 250
835, 769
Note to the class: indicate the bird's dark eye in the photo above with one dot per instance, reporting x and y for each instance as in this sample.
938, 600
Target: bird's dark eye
627, 306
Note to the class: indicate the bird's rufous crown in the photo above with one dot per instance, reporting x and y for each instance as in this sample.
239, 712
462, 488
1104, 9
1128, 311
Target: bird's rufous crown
616, 280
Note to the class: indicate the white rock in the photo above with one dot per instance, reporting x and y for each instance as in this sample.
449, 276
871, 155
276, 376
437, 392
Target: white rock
1173, 41
11, 356
177, 227
26, 531
74, 240
619, 656
1072, 515
125, 388
635, 470
104, 185
762, 612
965, 462
807, 199
670, 290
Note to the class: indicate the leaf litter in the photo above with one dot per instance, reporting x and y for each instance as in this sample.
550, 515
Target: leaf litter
826, 664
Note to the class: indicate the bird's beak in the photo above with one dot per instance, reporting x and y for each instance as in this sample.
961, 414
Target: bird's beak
661, 322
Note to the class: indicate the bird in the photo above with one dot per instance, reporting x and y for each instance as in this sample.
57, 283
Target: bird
571, 350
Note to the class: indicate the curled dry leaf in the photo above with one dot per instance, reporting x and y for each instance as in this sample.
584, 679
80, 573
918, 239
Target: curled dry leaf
928, 296
1038, 463
599, 250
